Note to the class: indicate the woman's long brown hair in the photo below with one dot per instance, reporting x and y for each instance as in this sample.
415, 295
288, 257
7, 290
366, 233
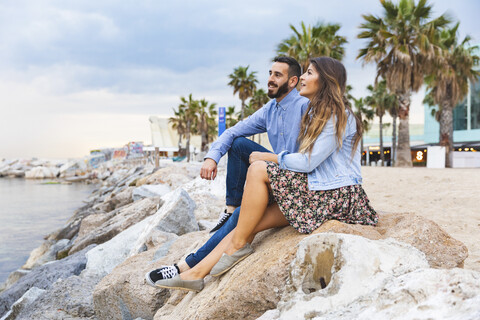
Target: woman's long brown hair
329, 102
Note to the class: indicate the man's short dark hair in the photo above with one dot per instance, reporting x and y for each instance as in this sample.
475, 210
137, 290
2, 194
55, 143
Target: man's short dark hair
294, 69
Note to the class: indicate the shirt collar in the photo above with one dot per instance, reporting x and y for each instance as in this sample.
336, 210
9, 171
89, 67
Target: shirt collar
289, 99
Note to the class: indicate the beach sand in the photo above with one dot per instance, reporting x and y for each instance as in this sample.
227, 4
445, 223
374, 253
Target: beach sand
450, 197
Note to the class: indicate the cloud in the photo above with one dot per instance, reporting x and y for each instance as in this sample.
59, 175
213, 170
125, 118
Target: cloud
64, 60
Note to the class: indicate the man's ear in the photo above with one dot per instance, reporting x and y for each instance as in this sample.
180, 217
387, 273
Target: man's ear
293, 81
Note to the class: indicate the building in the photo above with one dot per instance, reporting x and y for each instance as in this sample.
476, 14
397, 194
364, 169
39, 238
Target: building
466, 132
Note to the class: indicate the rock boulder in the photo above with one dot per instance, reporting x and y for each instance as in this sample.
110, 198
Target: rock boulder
150, 190
395, 282
441, 249
124, 294
43, 277
120, 219
175, 216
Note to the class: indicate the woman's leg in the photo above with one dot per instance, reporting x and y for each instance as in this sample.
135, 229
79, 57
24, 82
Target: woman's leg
254, 204
272, 218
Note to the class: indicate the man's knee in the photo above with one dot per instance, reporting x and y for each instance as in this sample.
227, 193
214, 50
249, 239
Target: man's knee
238, 144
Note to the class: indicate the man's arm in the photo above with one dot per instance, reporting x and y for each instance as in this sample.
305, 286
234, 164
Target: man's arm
254, 124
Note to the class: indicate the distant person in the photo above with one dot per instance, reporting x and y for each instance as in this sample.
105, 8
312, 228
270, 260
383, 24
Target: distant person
320, 182
280, 118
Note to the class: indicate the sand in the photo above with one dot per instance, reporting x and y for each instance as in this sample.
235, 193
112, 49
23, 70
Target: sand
450, 197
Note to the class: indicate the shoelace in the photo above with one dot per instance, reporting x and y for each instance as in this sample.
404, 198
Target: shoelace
224, 217
168, 272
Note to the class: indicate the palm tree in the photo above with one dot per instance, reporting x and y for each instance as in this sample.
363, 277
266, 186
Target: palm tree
365, 115
244, 83
319, 40
393, 111
212, 131
189, 108
448, 83
203, 122
230, 119
380, 100
178, 123
400, 43
258, 100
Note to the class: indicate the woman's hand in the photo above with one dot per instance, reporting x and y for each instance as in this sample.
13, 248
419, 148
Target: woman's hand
262, 156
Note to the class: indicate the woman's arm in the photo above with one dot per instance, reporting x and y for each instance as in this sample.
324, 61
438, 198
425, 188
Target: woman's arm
324, 146
265, 156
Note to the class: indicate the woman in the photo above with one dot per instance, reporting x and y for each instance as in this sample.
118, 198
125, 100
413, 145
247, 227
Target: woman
304, 189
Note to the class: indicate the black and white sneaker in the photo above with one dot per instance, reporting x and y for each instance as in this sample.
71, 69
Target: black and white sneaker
164, 272
221, 221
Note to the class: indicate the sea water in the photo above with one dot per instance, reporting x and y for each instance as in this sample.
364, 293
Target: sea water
29, 210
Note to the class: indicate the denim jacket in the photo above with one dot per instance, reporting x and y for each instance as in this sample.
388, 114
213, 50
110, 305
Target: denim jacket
328, 166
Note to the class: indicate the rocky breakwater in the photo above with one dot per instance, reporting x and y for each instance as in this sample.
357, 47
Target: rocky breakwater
139, 219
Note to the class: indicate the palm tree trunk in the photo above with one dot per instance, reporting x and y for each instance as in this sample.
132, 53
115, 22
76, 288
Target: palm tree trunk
204, 141
446, 132
361, 152
394, 140
188, 140
242, 112
382, 156
404, 156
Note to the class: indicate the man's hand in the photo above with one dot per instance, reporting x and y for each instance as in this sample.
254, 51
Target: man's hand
262, 156
209, 169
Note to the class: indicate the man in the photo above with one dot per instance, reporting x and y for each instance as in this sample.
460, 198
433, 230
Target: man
280, 118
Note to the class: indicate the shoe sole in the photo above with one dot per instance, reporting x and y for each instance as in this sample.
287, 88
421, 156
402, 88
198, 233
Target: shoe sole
150, 282
179, 288
233, 265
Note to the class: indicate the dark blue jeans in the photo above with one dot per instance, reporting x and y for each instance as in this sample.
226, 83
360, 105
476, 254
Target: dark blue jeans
237, 168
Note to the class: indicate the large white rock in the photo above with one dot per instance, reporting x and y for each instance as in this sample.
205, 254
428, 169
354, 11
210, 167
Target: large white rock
209, 196
372, 279
175, 216
422, 294
150, 190
102, 259
41, 173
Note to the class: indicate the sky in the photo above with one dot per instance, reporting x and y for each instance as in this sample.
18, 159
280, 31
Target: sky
81, 74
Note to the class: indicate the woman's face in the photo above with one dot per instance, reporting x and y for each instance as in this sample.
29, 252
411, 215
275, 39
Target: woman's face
309, 83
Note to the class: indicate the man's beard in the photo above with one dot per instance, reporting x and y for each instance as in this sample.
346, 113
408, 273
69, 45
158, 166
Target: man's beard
280, 92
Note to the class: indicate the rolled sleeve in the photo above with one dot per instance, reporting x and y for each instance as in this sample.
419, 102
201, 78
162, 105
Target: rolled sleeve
281, 161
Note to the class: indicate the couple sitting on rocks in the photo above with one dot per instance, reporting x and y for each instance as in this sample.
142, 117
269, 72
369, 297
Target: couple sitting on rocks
312, 176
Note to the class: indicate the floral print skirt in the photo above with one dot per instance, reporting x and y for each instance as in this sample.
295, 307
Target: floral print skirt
306, 210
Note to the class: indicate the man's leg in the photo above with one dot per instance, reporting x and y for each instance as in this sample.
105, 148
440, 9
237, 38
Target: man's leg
237, 168
238, 163
193, 258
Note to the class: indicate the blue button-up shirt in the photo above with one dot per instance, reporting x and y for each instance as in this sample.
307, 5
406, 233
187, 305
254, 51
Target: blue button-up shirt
280, 120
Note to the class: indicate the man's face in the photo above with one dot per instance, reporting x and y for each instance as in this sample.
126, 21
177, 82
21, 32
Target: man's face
278, 80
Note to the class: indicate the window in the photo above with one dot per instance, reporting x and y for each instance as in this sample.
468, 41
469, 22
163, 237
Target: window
475, 106
460, 116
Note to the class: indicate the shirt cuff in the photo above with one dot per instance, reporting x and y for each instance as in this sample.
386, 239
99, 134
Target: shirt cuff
281, 161
214, 155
